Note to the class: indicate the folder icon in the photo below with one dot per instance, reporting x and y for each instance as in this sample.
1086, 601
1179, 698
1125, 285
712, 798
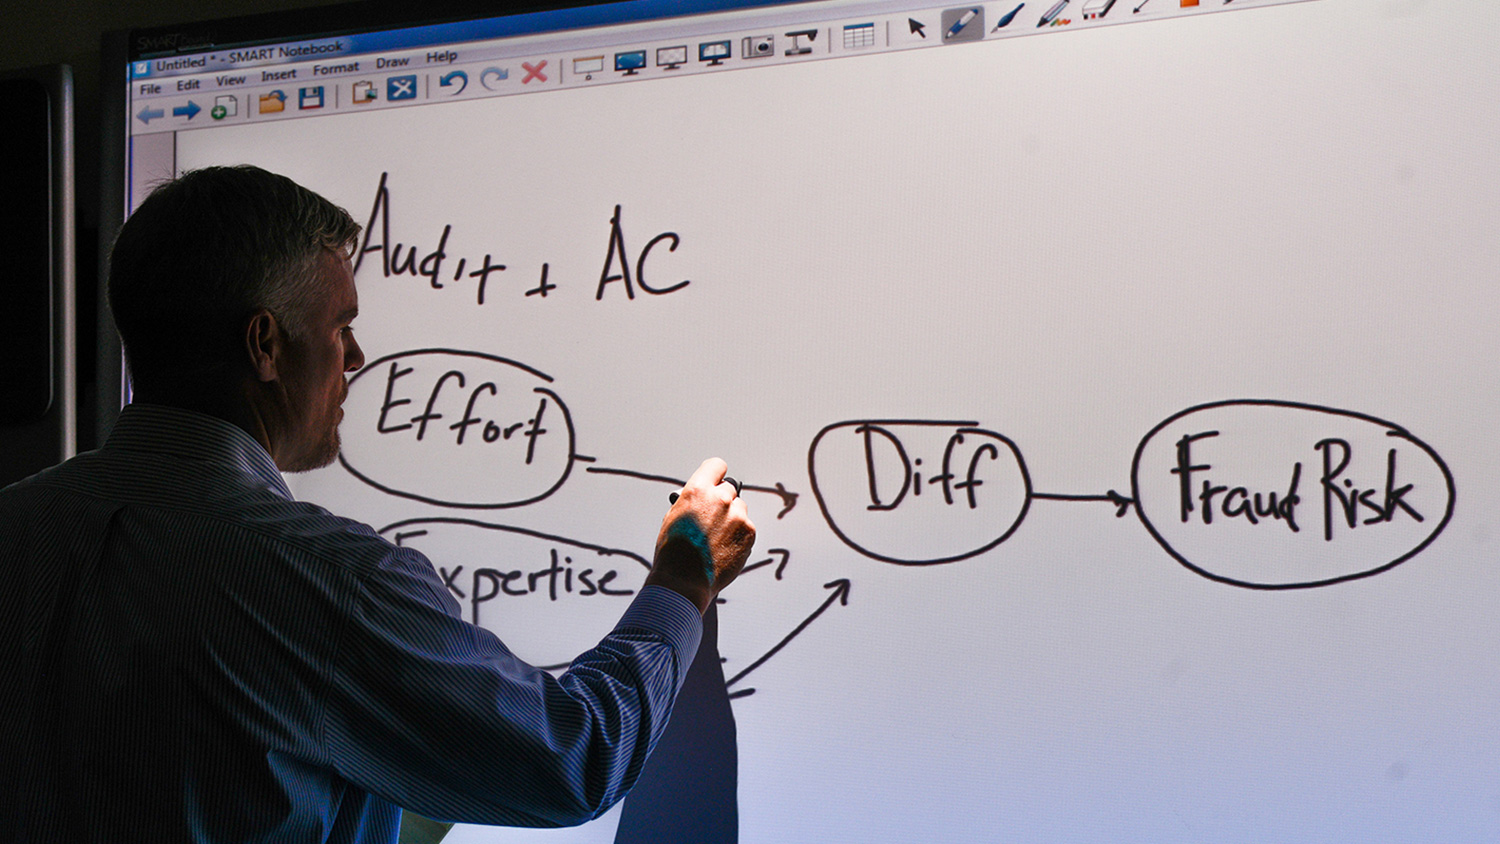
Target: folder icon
272, 102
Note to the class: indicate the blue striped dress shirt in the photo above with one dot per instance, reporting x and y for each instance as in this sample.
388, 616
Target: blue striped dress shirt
190, 654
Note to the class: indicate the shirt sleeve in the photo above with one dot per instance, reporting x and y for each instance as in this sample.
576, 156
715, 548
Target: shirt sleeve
438, 716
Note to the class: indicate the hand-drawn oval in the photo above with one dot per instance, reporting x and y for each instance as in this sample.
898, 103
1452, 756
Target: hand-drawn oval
1282, 495
548, 598
918, 492
456, 428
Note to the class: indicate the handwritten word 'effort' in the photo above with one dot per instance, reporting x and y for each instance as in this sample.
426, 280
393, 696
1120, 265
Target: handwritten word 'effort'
441, 268
463, 429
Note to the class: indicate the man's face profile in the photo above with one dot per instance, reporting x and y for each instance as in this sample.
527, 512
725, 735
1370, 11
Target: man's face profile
317, 354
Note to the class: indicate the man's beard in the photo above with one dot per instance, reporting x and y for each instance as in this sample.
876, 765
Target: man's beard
324, 454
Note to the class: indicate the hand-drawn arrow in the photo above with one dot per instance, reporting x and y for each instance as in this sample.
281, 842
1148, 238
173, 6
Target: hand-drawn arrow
788, 498
1122, 503
840, 594
783, 553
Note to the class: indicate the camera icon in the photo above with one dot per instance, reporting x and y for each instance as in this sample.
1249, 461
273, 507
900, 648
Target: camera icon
757, 46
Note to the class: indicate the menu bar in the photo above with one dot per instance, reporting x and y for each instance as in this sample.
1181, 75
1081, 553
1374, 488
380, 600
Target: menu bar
256, 84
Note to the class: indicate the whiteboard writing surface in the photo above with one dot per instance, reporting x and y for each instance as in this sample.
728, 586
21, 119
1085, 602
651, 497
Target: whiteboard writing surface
1117, 409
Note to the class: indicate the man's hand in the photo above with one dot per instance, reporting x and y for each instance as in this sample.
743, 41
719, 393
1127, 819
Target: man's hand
705, 538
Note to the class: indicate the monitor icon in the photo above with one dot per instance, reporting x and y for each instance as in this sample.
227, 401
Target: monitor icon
587, 66
713, 52
630, 63
671, 58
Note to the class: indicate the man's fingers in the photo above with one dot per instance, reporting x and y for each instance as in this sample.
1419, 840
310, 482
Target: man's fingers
711, 509
738, 509
709, 473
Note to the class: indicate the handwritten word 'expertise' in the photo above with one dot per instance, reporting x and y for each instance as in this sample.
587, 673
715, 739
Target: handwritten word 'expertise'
559, 578
398, 258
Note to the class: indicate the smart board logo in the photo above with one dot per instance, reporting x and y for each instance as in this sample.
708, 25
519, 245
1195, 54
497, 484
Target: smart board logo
175, 41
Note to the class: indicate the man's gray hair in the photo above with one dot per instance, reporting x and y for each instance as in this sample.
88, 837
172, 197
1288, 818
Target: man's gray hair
205, 252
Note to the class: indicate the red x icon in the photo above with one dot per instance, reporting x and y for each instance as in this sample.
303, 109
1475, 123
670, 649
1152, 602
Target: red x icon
534, 72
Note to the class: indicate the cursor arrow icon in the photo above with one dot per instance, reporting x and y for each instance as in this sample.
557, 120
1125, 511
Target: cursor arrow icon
916, 26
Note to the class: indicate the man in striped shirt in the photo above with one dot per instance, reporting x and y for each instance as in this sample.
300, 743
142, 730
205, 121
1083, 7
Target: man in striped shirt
190, 654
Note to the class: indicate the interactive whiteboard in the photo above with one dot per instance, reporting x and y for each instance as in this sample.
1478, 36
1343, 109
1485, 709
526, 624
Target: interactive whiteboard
1117, 407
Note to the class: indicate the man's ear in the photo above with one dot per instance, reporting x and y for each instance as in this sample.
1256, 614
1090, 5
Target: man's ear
263, 345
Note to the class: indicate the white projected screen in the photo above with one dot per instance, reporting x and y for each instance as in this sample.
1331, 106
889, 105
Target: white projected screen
1117, 407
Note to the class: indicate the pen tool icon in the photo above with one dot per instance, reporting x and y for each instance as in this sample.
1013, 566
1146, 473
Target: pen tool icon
962, 23
1006, 18
1052, 13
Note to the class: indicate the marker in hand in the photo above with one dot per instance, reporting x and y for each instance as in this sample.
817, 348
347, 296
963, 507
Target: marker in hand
672, 498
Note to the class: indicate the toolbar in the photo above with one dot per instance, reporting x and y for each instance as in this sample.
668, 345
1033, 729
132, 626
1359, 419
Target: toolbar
259, 84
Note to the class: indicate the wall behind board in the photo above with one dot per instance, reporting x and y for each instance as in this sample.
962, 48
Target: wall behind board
69, 32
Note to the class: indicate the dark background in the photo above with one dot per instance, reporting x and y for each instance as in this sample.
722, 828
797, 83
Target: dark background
70, 32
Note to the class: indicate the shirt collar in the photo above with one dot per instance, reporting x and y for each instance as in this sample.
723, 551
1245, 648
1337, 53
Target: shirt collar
188, 434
